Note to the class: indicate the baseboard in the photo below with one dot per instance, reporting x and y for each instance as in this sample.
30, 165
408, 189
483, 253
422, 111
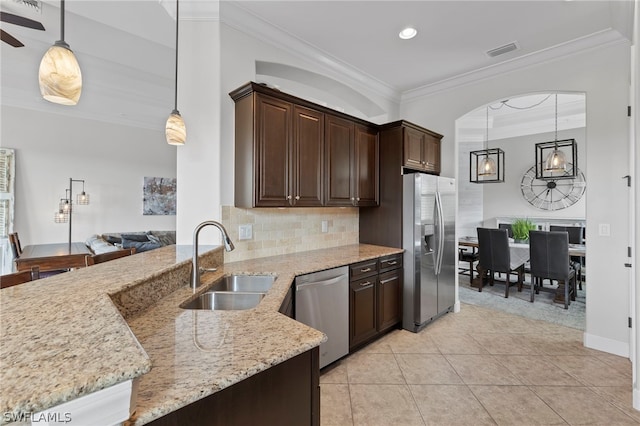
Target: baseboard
456, 306
636, 399
603, 344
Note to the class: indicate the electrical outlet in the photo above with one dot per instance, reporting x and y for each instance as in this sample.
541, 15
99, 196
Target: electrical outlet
604, 230
325, 226
245, 232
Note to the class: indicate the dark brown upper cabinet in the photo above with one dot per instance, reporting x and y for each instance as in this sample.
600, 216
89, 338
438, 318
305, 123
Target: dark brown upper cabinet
421, 147
279, 152
352, 163
291, 152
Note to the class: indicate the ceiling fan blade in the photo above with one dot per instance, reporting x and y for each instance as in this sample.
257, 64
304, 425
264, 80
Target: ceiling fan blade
20, 20
9, 39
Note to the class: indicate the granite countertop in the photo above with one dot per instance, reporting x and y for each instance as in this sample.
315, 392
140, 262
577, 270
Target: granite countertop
79, 332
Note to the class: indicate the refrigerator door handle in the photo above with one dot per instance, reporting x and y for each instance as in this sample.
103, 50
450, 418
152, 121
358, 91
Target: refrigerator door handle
440, 230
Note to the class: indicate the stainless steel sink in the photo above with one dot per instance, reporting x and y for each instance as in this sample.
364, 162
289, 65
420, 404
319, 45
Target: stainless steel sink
224, 301
244, 283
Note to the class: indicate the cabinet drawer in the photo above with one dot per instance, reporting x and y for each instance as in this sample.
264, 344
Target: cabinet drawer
391, 262
363, 269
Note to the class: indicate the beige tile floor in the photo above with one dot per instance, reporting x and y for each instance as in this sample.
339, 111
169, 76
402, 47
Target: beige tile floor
479, 367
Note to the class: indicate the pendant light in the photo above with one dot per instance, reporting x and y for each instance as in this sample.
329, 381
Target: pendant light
556, 165
486, 165
175, 129
59, 74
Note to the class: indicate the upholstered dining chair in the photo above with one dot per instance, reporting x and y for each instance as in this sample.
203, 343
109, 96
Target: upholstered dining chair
16, 247
105, 257
576, 236
549, 258
495, 256
508, 227
470, 256
9, 280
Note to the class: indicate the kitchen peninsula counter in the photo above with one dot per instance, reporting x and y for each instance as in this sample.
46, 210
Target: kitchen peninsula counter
83, 331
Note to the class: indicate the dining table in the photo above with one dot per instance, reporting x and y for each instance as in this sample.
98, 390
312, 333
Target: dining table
53, 257
519, 253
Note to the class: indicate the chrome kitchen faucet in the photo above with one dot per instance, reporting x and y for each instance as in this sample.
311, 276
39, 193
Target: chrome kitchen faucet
228, 246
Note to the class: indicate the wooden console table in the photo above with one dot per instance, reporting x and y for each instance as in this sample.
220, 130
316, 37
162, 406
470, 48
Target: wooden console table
53, 257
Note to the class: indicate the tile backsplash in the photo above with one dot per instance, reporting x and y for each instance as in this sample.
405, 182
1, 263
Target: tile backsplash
278, 231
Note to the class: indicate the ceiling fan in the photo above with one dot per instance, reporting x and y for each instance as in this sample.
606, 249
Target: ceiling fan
17, 20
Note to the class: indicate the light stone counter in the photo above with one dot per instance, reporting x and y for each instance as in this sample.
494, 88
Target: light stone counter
70, 335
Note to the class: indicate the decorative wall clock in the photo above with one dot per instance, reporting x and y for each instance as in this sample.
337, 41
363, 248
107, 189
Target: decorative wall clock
552, 194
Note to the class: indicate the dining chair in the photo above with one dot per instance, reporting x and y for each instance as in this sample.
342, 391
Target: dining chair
495, 256
105, 257
549, 258
576, 236
508, 227
14, 242
472, 257
9, 280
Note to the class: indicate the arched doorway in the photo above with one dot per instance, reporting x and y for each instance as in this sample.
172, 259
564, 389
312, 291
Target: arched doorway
515, 125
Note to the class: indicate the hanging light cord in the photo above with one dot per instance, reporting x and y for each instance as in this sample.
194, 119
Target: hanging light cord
486, 145
505, 103
175, 107
62, 20
556, 120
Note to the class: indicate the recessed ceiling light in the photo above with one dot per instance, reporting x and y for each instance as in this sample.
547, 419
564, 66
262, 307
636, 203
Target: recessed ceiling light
408, 33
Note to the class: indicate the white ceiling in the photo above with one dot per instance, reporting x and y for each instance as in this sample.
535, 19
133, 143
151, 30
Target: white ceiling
125, 47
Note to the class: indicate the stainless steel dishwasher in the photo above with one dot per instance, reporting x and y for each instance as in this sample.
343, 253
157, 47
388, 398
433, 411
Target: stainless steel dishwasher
322, 302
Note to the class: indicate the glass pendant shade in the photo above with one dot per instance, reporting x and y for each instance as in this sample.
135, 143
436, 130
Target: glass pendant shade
556, 161
65, 206
61, 217
175, 130
59, 75
83, 198
487, 167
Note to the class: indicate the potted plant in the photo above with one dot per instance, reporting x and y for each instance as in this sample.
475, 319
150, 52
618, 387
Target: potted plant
521, 228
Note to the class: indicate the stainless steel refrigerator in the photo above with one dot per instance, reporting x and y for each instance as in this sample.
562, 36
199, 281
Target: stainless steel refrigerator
428, 237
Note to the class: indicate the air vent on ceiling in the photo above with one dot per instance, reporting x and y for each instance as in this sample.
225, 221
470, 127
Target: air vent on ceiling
32, 4
510, 47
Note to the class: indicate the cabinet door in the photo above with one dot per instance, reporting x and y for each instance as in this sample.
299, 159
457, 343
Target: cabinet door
389, 299
366, 166
338, 161
273, 143
308, 136
413, 149
362, 310
431, 154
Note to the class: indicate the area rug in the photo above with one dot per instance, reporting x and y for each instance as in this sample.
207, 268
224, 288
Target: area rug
543, 308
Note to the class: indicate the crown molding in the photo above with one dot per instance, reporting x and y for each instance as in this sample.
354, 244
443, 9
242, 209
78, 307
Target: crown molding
596, 40
193, 10
239, 18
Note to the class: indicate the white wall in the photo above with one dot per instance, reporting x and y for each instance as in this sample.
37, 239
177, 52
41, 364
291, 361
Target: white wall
112, 159
199, 163
603, 74
505, 199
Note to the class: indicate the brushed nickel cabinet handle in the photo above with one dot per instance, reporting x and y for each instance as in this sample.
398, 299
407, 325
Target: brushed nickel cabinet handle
297, 197
366, 283
288, 197
365, 270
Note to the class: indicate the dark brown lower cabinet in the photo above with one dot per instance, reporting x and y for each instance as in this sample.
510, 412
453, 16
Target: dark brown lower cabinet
285, 394
362, 310
389, 300
375, 299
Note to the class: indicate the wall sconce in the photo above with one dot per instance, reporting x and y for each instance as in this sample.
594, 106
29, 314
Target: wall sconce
65, 208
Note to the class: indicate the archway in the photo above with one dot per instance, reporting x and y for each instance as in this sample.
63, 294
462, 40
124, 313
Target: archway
515, 125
